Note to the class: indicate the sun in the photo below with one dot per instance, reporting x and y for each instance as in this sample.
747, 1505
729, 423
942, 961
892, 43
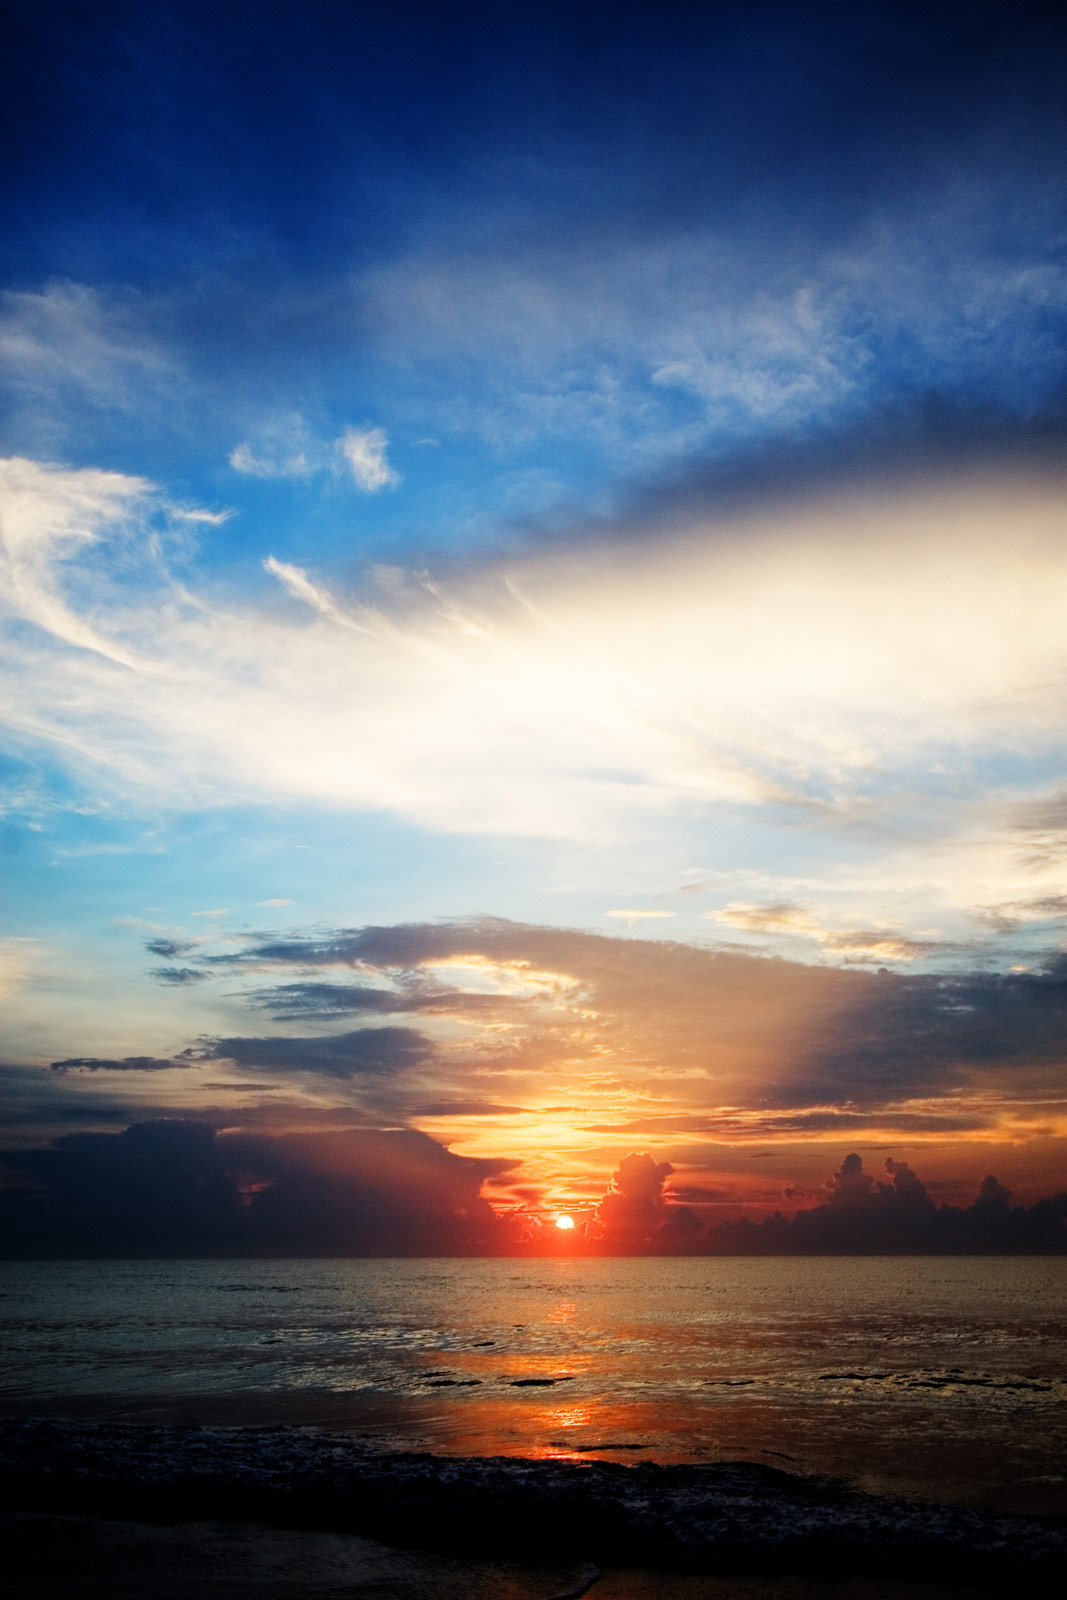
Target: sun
565, 1222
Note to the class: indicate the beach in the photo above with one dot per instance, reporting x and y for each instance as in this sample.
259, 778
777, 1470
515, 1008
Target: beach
730, 1520
90, 1558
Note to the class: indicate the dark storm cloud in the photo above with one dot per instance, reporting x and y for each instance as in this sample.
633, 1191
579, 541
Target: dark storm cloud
179, 975
170, 949
182, 1188
367, 1051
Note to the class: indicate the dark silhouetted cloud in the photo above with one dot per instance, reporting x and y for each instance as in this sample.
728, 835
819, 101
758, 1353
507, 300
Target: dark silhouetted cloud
634, 1209
182, 1188
863, 1215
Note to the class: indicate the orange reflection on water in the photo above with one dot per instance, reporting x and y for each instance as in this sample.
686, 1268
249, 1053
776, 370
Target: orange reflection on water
568, 1417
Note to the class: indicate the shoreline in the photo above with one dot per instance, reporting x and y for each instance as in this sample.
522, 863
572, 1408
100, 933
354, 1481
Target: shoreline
729, 1519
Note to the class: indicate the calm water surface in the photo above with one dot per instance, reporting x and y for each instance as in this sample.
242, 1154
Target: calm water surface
944, 1378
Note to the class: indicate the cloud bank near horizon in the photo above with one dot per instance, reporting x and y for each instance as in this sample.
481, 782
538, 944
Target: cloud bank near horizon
565, 1048
169, 1188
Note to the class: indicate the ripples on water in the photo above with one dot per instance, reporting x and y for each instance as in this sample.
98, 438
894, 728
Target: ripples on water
943, 1377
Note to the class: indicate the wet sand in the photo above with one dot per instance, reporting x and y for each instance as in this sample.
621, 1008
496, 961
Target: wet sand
120, 1510
88, 1558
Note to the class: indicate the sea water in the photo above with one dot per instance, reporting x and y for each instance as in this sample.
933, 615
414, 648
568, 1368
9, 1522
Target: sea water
942, 1378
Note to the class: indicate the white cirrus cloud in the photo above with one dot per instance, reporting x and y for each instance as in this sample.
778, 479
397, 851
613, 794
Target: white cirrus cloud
838, 666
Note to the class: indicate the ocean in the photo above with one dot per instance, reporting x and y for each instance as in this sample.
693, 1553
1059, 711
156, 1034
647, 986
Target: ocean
942, 1379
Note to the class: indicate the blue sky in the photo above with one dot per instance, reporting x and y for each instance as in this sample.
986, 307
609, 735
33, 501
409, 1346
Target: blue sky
599, 467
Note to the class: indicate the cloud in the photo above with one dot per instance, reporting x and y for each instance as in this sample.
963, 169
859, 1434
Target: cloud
571, 1048
181, 1188
465, 1108
283, 448
863, 1215
286, 448
689, 341
127, 1064
634, 1208
870, 944
367, 1051
786, 667
179, 975
365, 453
170, 949
70, 340
48, 515
796, 1051
211, 519
309, 999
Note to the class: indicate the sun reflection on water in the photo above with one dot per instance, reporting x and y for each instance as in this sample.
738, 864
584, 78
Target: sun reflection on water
568, 1417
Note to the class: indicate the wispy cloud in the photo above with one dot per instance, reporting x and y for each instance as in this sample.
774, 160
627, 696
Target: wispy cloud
72, 337
924, 296
853, 668
850, 944
286, 448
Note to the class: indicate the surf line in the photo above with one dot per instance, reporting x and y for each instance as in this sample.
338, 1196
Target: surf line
593, 1575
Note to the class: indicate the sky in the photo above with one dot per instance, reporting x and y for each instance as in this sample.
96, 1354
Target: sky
533, 590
